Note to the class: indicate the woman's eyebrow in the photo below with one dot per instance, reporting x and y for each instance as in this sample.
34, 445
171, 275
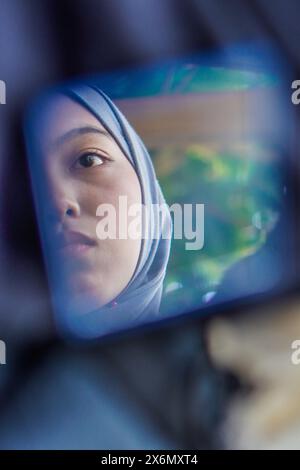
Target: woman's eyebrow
79, 131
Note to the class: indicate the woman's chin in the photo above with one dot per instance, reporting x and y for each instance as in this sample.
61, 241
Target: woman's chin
81, 303
80, 296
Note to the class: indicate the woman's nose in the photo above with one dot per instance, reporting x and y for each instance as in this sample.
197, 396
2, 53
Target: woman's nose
62, 207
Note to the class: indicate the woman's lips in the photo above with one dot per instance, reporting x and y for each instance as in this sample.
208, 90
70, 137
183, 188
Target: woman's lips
73, 243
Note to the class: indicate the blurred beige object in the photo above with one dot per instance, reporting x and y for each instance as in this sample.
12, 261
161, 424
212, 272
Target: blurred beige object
257, 347
203, 117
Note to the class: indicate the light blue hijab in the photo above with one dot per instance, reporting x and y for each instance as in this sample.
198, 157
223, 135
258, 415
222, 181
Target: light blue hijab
140, 300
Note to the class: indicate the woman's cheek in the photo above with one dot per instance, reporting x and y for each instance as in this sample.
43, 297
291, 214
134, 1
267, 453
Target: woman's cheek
118, 189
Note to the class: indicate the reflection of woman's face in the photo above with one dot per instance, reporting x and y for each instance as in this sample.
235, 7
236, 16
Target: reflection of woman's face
84, 167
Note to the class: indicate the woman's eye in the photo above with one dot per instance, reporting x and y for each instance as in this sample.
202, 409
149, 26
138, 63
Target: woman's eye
88, 160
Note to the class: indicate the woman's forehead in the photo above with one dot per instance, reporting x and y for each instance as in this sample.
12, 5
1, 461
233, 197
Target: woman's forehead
60, 116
